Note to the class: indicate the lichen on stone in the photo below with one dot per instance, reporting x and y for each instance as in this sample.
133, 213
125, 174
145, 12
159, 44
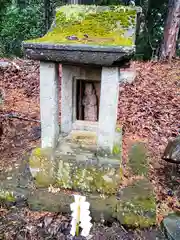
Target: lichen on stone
92, 25
88, 178
63, 176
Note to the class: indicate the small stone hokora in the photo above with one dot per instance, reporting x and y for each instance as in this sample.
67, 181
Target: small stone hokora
90, 103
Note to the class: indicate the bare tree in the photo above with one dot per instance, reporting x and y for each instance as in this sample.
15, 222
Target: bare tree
171, 30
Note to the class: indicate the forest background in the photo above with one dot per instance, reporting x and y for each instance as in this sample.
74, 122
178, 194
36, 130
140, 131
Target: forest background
157, 32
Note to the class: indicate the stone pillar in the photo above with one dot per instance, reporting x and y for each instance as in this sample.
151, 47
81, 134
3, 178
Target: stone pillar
68, 72
108, 108
49, 108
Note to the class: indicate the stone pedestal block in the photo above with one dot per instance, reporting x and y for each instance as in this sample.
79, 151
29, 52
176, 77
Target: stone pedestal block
81, 171
80, 174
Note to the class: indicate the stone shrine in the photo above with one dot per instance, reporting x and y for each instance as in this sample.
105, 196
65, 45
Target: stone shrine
82, 152
91, 43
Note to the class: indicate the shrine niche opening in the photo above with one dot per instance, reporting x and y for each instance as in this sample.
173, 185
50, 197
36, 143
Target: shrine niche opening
87, 100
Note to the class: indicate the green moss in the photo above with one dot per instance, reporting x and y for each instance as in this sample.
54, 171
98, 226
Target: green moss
37, 152
44, 179
121, 172
116, 149
105, 182
138, 221
88, 178
6, 196
63, 176
104, 26
118, 129
42, 165
137, 206
138, 159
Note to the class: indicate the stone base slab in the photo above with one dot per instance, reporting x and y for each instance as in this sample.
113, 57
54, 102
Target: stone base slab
134, 207
101, 208
75, 168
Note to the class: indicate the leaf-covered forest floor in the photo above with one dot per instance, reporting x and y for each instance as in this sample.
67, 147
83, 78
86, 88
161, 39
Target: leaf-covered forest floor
149, 111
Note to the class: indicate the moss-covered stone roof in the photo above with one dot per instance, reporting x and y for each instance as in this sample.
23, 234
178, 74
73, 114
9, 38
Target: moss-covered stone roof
92, 25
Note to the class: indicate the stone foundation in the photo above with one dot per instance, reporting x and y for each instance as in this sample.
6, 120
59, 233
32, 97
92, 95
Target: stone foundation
77, 164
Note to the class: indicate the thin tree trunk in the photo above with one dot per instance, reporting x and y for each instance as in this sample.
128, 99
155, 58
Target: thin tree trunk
49, 8
171, 30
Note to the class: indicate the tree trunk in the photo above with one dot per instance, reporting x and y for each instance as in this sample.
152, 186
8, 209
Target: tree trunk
49, 8
171, 30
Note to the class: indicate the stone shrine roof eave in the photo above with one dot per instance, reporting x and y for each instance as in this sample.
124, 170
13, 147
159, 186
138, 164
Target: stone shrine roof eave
79, 53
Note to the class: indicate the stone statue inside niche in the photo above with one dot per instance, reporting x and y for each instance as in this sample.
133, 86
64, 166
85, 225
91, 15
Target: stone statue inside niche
90, 103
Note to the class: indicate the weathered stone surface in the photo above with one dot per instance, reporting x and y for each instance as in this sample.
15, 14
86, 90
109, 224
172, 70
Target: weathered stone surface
138, 159
108, 108
171, 226
42, 166
49, 106
80, 170
68, 54
136, 206
89, 176
105, 128
67, 97
100, 207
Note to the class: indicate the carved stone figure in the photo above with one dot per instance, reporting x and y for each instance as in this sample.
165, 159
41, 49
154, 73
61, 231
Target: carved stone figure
90, 103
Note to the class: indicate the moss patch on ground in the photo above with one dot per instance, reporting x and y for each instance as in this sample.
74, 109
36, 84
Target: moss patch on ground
137, 206
92, 25
138, 159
